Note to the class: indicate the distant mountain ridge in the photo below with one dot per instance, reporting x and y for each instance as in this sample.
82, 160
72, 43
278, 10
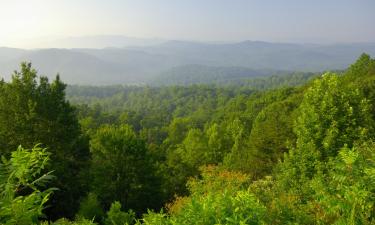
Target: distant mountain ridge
146, 64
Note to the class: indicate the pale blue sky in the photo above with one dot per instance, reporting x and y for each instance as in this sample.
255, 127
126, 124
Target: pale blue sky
318, 21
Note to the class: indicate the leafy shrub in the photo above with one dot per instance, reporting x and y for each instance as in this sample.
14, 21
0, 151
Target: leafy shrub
117, 217
90, 208
21, 178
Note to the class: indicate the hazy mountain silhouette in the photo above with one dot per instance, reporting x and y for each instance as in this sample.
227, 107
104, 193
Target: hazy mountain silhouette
144, 64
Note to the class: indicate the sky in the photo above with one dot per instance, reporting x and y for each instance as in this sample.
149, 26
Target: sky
306, 21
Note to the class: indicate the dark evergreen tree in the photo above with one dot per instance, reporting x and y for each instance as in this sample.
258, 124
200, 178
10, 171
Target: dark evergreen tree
35, 111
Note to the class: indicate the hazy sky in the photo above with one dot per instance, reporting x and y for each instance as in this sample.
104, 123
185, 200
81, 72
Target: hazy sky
205, 20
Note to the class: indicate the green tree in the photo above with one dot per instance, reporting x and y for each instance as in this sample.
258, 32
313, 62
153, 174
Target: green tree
360, 68
239, 156
35, 111
122, 170
332, 116
271, 135
219, 143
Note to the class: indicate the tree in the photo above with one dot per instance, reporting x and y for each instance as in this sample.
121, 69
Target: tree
332, 116
219, 143
35, 111
238, 158
271, 135
360, 68
122, 170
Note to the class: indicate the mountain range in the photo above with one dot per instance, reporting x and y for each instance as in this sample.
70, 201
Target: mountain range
175, 60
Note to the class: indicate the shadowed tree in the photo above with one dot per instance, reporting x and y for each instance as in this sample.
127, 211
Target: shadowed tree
35, 111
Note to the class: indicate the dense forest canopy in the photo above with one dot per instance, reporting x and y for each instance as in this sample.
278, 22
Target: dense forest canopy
295, 149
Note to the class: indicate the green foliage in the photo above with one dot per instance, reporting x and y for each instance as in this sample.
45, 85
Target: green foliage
116, 217
220, 155
22, 181
35, 111
271, 135
346, 194
361, 68
219, 143
78, 221
192, 150
187, 127
332, 116
227, 76
122, 170
247, 130
224, 208
238, 157
152, 218
218, 198
318, 178
90, 208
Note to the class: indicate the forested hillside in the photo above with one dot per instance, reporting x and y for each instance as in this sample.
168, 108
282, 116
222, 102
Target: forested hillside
294, 149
